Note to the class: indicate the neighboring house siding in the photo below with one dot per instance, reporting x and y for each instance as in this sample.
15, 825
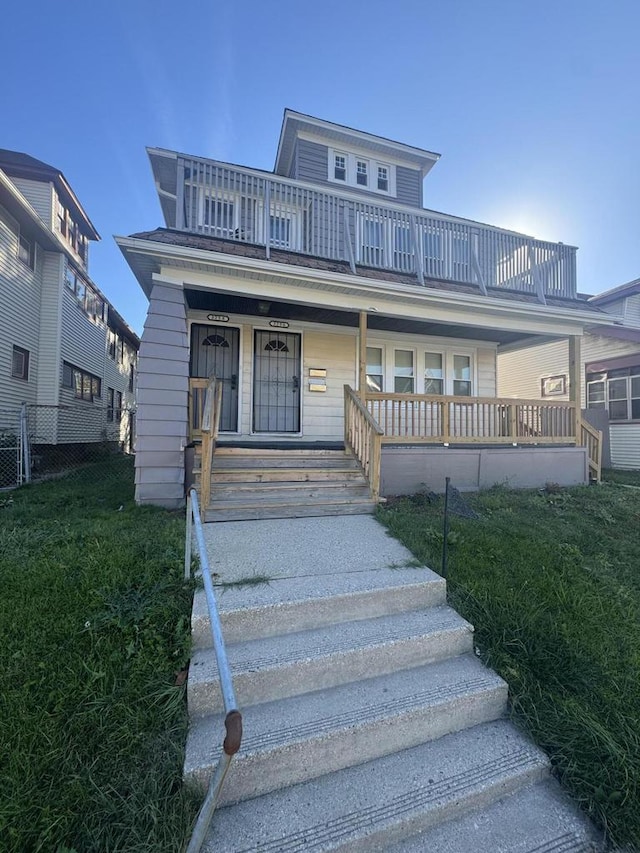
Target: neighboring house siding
117, 377
83, 340
163, 390
40, 197
625, 445
20, 289
409, 186
520, 372
632, 309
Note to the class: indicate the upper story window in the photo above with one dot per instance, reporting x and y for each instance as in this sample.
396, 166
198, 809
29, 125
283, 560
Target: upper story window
70, 230
340, 167
26, 251
87, 298
361, 171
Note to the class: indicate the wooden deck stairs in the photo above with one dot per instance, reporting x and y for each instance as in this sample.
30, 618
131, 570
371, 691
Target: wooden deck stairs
255, 483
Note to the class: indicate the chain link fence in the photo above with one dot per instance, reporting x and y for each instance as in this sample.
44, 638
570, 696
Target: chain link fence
38, 442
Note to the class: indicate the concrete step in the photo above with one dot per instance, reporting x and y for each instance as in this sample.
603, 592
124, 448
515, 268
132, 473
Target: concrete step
292, 604
276, 667
376, 804
295, 509
288, 742
536, 819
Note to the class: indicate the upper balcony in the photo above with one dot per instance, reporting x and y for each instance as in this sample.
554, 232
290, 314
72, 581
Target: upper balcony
250, 206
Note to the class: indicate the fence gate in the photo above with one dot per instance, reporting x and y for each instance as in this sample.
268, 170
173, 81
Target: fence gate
13, 432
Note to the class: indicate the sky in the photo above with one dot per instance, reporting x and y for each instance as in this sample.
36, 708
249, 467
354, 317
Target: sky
534, 106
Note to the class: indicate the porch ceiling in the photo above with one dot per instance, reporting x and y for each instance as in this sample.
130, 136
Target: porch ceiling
206, 300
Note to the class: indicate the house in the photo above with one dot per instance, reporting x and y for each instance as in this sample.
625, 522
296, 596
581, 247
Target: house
65, 352
610, 368
329, 272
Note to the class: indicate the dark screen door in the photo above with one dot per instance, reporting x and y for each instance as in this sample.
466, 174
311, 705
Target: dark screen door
215, 350
276, 382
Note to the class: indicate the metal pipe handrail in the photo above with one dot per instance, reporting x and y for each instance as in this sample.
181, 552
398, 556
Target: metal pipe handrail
233, 717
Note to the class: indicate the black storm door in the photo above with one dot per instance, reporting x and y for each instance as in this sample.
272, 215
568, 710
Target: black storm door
276, 382
215, 350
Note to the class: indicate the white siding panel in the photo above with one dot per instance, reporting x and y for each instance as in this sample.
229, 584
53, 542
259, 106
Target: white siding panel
625, 445
323, 411
50, 322
40, 197
486, 370
20, 294
520, 372
84, 340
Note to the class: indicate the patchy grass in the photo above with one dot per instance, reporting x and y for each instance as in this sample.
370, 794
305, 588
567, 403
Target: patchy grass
94, 627
551, 581
627, 478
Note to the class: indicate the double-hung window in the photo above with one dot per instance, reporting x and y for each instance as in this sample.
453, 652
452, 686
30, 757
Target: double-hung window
618, 390
433, 373
375, 371
462, 375
339, 167
362, 173
85, 385
220, 215
26, 251
403, 374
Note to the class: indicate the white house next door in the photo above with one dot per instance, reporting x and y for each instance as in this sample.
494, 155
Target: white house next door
276, 382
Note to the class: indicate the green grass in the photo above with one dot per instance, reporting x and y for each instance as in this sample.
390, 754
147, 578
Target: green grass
551, 581
628, 478
94, 627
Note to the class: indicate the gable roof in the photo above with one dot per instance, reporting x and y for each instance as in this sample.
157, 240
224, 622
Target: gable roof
620, 292
16, 164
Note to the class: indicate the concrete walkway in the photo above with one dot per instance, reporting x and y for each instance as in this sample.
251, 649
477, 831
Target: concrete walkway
294, 547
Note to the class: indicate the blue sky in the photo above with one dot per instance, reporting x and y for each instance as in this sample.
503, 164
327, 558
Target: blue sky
533, 105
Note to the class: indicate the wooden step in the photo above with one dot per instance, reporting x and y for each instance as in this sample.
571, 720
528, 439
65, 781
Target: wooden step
276, 492
286, 475
295, 510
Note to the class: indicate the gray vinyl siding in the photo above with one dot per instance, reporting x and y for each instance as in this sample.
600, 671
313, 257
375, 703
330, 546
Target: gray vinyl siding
39, 195
20, 292
311, 162
408, 186
161, 422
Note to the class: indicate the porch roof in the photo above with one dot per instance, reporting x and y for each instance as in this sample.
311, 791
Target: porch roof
298, 282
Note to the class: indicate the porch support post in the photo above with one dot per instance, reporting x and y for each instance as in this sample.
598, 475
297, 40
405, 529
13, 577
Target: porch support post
362, 366
575, 381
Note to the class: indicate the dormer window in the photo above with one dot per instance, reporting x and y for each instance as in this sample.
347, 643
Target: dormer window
362, 172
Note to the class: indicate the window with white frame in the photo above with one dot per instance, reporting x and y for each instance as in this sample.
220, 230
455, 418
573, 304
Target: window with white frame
373, 240
339, 167
85, 385
462, 375
403, 375
422, 369
285, 226
618, 390
359, 170
375, 370
433, 373
220, 214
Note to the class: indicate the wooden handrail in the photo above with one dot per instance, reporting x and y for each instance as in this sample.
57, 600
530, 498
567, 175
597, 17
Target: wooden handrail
209, 430
591, 438
452, 398
363, 436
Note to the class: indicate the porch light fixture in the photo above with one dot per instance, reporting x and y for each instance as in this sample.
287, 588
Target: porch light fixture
264, 308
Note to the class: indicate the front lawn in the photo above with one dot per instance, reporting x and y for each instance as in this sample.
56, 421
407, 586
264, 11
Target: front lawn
94, 629
551, 581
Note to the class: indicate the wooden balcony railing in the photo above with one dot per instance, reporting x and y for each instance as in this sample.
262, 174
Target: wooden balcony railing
249, 206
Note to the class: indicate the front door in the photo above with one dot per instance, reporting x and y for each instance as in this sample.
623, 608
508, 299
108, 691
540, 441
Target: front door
276, 382
215, 351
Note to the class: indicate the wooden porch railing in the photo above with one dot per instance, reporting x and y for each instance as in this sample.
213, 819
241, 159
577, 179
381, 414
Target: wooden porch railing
591, 438
363, 435
197, 390
209, 427
439, 419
